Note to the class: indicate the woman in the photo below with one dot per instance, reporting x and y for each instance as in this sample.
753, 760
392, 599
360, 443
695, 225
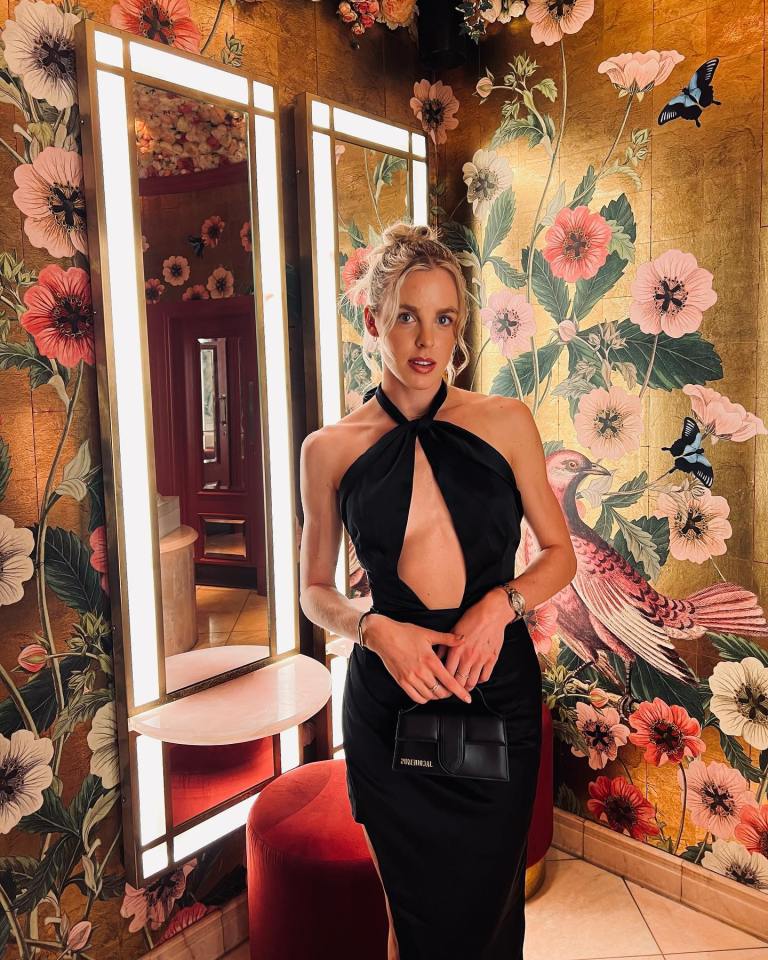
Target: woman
431, 483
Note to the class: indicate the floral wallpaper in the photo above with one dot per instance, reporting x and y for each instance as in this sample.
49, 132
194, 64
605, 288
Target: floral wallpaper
63, 891
602, 298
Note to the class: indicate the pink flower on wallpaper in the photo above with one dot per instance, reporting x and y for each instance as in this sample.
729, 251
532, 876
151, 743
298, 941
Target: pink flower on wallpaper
196, 292
353, 270
576, 245
153, 904
59, 315
716, 796
435, 105
637, 72
666, 732
609, 422
211, 231
166, 21
603, 732
542, 624
552, 21
338, 151
245, 236
721, 418
98, 542
183, 918
153, 289
510, 320
698, 527
622, 806
221, 283
50, 195
670, 294
32, 658
752, 829
567, 330
176, 270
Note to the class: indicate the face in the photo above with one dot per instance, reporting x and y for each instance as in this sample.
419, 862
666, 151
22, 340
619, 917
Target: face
424, 328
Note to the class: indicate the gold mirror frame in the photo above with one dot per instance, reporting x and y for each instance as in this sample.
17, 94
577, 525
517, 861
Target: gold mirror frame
109, 63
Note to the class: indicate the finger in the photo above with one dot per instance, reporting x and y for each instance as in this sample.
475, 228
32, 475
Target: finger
425, 685
474, 675
451, 639
450, 682
412, 692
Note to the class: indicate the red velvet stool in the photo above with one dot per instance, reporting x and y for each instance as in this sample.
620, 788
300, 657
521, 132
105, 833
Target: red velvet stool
313, 889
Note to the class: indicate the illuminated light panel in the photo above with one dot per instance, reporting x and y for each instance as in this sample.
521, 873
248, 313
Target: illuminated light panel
366, 128
420, 199
418, 145
290, 749
214, 828
108, 48
154, 860
131, 392
321, 114
280, 458
263, 96
149, 760
199, 77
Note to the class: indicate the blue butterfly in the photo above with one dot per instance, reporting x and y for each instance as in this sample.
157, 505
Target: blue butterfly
689, 454
693, 99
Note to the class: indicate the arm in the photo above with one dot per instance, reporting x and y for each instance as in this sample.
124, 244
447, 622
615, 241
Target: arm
321, 536
555, 566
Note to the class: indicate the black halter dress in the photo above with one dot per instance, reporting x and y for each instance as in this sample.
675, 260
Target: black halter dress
452, 851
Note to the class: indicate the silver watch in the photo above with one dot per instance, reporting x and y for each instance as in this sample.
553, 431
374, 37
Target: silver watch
516, 599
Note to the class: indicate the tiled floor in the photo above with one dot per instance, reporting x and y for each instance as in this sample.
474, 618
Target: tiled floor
582, 912
230, 615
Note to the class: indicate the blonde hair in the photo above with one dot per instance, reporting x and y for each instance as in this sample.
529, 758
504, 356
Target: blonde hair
405, 247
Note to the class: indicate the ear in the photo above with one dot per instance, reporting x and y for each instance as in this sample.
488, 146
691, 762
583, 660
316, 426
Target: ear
370, 321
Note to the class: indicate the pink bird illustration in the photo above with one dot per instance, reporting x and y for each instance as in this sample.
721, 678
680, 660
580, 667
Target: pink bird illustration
609, 605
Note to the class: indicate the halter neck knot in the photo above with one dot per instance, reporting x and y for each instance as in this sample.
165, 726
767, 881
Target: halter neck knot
417, 424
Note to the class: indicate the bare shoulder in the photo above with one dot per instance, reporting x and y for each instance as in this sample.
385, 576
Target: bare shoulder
504, 422
330, 449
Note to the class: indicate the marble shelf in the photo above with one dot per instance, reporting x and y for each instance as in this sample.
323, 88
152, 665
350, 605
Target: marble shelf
257, 704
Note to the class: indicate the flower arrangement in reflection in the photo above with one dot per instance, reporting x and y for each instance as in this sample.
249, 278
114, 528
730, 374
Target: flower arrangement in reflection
176, 135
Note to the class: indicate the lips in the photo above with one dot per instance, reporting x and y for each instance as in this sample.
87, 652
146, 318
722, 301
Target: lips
422, 367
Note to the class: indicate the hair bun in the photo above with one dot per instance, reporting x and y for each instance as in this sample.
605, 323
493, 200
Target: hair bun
403, 232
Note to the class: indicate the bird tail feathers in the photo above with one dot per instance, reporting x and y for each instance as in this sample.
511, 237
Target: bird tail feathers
728, 608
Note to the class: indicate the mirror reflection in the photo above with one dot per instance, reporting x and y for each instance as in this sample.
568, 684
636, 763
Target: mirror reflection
194, 190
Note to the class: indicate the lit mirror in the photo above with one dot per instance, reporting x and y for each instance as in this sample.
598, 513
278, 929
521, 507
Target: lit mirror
181, 170
357, 173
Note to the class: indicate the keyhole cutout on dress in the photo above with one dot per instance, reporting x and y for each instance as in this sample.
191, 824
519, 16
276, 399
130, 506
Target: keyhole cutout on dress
431, 561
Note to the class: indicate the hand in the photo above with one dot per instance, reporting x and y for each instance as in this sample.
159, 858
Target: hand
407, 652
483, 627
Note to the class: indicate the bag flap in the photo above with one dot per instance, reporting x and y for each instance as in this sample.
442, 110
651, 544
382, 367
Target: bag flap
451, 742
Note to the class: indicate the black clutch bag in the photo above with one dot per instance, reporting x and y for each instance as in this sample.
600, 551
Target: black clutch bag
450, 738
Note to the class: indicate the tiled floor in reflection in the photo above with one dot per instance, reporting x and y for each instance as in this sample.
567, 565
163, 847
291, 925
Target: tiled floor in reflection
230, 615
582, 912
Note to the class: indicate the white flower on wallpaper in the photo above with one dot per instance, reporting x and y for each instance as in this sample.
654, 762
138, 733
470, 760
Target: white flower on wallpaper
102, 739
16, 545
732, 860
39, 48
25, 771
486, 175
740, 699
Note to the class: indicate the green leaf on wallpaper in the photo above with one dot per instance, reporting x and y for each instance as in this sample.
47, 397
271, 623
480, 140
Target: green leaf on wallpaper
585, 189
551, 291
628, 493
69, 572
386, 168
499, 223
508, 275
5, 467
678, 360
457, 237
729, 646
39, 696
26, 356
513, 128
589, 292
355, 234
90, 793
619, 210
644, 542
52, 817
548, 88
504, 383
649, 682
738, 759
80, 710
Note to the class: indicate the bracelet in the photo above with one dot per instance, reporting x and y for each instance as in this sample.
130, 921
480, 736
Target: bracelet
360, 627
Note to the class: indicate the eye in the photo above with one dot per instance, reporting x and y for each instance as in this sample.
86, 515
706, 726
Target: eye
448, 317
405, 313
